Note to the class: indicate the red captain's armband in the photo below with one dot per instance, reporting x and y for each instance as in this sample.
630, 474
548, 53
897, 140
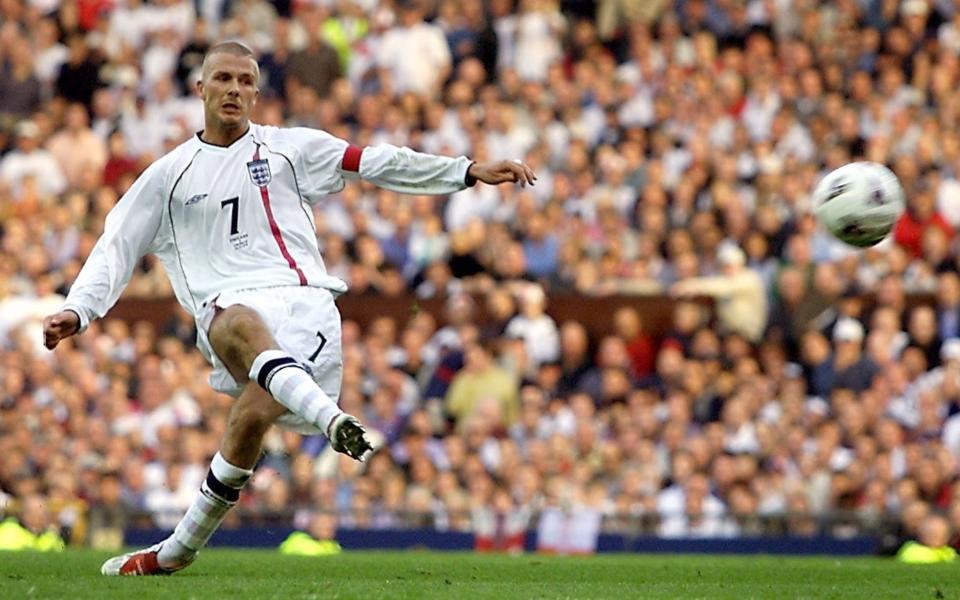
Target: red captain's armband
351, 159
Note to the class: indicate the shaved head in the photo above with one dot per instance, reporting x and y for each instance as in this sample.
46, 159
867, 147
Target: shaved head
233, 49
229, 91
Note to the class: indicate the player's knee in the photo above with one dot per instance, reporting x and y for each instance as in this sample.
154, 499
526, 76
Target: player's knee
238, 333
240, 324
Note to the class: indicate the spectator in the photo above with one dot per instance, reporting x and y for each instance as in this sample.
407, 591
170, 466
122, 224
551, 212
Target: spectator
78, 151
482, 388
851, 369
931, 547
502, 526
317, 541
640, 346
540, 248
574, 358
32, 531
614, 16
948, 306
49, 53
80, 75
741, 301
20, 91
573, 530
414, 57
344, 29
689, 508
119, 164
30, 167
785, 321
612, 358
108, 517
817, 310
191, 56
538, 29
536, 328
924, 336
428, 245
316, 67
920, 215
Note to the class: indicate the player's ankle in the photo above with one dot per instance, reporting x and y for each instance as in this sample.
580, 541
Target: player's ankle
173, 555
329, 429
175, 565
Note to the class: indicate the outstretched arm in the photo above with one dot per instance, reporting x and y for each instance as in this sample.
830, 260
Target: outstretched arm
406, 171
129, 230
326, 161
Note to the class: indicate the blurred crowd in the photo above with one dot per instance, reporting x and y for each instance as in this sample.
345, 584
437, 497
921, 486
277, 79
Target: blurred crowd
675, 144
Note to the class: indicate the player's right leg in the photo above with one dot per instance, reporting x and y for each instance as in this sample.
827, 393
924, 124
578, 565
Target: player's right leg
274, 383
250, 417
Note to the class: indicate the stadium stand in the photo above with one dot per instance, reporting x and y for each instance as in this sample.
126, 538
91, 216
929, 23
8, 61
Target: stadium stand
674, 142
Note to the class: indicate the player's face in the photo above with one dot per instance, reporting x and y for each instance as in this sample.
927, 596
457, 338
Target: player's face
229, 90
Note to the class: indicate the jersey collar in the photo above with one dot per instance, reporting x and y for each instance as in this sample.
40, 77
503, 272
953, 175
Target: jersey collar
221, 147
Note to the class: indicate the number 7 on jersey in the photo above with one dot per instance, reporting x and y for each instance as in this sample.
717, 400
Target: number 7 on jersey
234, 204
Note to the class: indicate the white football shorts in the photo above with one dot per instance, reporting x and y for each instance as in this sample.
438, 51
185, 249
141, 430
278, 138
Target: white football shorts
304, 322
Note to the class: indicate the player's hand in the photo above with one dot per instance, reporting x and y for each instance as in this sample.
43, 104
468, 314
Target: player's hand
502, 171
59, 327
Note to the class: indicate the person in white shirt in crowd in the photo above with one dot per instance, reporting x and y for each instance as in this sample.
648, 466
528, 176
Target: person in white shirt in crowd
535, 327
945, 380
414, 57
49, 53
739, 293
30, 161
693, 511
538, 30
129, 24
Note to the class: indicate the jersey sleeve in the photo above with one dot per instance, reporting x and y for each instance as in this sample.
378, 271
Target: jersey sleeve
327, 161
129, 230
406, 171
319, 155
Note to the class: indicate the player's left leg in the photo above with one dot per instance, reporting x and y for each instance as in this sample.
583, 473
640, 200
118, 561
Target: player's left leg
250, 417
244, 343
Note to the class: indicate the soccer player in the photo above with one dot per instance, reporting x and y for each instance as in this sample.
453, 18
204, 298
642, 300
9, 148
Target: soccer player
228, 214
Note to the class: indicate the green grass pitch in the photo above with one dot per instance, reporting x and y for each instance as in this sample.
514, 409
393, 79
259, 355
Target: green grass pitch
240, 574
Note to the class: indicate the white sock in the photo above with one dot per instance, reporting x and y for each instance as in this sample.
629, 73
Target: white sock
218, 494
290, 385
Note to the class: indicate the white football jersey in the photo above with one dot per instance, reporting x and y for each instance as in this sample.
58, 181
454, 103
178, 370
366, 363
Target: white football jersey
239, 217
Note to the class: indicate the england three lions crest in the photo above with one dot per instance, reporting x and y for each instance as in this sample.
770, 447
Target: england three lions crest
259, 172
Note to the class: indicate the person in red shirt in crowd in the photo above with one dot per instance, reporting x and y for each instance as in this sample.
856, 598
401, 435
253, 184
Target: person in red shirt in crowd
921, 214
119, 162
640, 346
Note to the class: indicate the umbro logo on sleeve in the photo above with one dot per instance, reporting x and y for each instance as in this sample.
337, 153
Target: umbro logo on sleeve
194, 199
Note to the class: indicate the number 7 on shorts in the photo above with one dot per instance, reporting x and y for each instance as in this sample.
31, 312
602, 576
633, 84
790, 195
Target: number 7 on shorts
316, 353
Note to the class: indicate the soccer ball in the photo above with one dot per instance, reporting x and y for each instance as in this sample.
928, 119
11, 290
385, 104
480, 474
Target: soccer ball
859, 203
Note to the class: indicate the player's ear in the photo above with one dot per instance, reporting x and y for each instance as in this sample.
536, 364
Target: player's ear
199, 87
